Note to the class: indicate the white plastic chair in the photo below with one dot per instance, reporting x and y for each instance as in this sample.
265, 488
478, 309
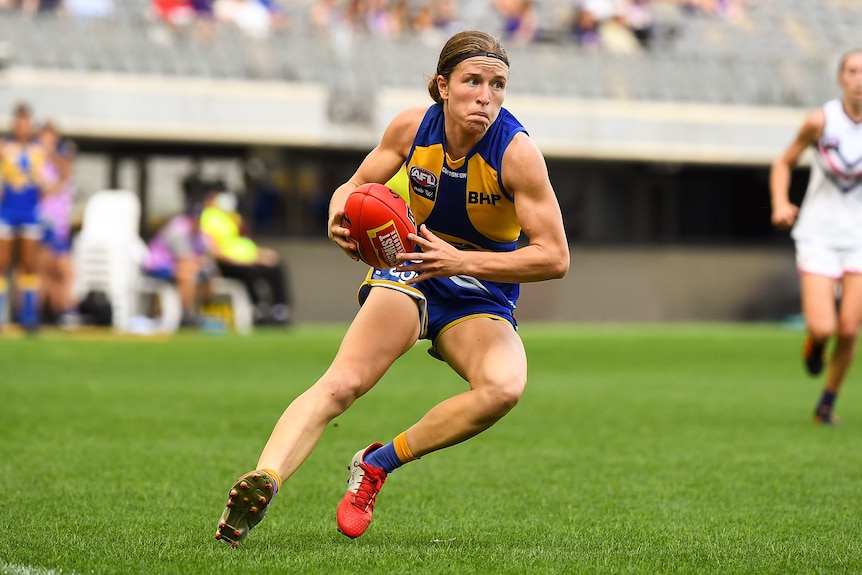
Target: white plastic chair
242, 310
170, 306
108, 253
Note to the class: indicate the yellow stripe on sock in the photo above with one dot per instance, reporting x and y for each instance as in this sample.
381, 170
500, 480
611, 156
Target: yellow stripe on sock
402, 450
274, 476
29, 282
4, 285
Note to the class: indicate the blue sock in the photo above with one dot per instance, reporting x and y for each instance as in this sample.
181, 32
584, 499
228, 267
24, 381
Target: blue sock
29, 313
384, 458
826, 401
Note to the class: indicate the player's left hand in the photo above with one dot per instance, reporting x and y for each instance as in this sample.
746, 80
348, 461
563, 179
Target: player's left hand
438, 257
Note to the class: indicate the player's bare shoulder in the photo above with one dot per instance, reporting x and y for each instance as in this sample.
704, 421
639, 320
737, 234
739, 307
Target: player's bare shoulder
813, 125
402, 130
523, 164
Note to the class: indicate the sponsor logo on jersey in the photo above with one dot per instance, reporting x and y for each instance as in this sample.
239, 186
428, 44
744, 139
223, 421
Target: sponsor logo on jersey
423, 183
481, 198
452, 174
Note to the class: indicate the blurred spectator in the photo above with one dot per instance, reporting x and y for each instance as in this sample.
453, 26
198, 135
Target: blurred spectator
731, 9
446, 17
601, 9
178, 253
422, 25
585, 29
637, 16
378, 19
355, 17
181, 15
240, 258
325, 15
55, 212
89, 9
30, 7
175, 13
252, 17
278, 14
617, 37
399, 18
520, 20
202, 8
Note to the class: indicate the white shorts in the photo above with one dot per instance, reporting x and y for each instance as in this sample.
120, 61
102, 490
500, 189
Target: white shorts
27, 231
823, 260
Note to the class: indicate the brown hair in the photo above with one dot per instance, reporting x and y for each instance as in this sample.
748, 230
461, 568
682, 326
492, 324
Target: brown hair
458, 48
22, 109
845, 56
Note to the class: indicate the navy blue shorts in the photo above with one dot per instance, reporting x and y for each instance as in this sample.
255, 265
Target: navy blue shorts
444, 302
59, 244
22, 223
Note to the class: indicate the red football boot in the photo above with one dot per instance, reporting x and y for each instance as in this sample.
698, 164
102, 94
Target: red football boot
357, 505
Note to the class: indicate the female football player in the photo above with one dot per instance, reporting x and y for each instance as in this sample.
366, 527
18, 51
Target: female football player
827, 229
476, 182
21, 161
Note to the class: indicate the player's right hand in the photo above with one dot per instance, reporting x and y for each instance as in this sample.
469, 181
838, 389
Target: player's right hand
784, 215
341, 236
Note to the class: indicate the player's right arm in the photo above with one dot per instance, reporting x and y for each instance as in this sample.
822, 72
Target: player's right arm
783, 210
379, 165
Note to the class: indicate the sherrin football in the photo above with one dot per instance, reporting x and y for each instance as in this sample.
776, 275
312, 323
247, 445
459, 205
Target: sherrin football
379, 220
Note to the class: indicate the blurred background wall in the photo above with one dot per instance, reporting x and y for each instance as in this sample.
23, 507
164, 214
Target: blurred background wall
659, 120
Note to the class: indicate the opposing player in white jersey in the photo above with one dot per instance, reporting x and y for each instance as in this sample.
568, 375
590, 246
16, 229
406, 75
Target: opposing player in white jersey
827, 229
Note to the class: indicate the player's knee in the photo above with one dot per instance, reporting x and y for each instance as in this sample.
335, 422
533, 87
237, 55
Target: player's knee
822, 330
341, 389
503, 395
511, 394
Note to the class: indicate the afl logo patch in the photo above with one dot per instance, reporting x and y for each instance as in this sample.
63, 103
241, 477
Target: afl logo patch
423, 182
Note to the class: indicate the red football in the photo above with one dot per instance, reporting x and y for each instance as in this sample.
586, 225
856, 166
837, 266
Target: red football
379, 220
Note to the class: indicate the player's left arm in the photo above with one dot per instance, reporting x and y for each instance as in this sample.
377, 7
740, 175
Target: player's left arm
546, 256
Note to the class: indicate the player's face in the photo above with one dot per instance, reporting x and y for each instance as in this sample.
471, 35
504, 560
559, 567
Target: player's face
48, 137
475, 91
22, 127
851, 78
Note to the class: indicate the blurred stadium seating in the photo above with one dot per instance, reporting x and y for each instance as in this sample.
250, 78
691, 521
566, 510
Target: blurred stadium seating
778, 54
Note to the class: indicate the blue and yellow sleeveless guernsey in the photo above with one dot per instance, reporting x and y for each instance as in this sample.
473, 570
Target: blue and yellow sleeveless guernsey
464, 202
20, 169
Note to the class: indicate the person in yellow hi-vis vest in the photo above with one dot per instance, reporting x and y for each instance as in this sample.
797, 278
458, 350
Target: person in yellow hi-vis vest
239, 257
400, 183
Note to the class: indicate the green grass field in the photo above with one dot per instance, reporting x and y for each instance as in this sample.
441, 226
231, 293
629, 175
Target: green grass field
652, 449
